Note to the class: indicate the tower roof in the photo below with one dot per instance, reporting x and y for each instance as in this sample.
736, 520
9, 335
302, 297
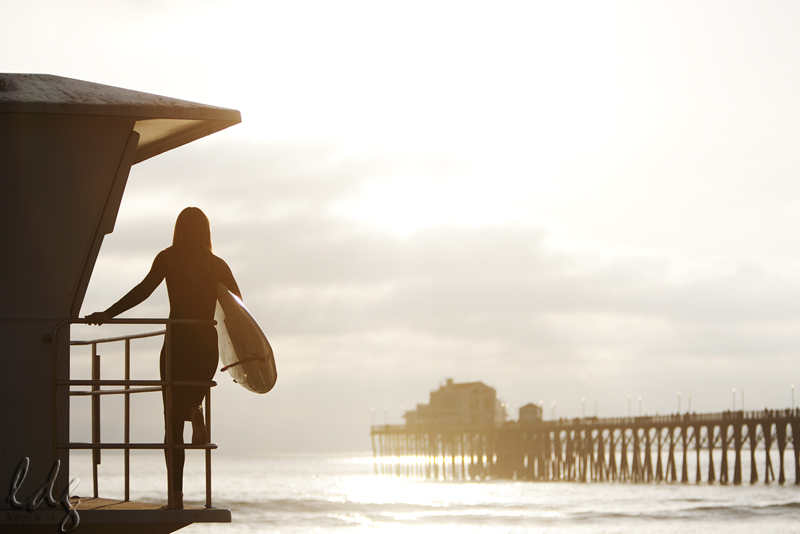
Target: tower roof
163, 123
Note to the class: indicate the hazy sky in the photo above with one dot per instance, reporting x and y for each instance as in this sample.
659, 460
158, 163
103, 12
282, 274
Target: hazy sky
561, 199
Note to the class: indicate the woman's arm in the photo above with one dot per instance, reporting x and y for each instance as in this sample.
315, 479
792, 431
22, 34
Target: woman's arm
136, 295
226, 277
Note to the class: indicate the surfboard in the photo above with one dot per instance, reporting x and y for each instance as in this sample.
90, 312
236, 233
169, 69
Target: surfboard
243, 348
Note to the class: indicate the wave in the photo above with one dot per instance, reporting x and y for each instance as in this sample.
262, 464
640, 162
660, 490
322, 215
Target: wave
332, 513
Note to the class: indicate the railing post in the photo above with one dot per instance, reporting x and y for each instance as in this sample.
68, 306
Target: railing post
95, 418
168, 416
208, 451
165, 385
127, 436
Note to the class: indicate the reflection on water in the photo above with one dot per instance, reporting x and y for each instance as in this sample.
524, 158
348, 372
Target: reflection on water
328, 493
460, 468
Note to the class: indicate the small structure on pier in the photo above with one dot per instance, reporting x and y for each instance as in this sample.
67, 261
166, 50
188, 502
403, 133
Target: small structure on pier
715, 447
530, 414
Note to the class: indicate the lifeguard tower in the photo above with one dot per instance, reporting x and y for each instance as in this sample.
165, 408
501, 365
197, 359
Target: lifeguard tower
66, 148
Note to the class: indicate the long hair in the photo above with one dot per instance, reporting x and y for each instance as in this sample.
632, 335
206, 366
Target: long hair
191, 241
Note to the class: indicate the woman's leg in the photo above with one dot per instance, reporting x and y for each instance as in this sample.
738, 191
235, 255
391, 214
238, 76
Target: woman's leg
178, 460
203, 366
178, 454
194, 357
199, 434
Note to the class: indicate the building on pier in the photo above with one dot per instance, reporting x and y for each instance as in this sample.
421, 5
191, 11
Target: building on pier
455, 405
727, 447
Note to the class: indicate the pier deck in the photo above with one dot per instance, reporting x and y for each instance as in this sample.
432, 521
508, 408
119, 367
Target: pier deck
624, 449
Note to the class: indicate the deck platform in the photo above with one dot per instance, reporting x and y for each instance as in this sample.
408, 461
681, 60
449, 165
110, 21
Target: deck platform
110, 515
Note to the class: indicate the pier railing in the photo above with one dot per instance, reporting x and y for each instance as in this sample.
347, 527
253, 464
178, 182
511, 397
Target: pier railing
129, 387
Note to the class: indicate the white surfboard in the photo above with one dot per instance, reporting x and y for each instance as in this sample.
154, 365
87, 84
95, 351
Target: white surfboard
243, 348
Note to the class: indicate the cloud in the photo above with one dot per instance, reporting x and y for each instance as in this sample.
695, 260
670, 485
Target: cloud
360, 316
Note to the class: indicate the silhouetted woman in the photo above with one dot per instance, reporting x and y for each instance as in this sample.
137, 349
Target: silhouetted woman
192, 273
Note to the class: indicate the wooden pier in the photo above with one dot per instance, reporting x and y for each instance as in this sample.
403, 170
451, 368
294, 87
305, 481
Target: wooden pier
686, 448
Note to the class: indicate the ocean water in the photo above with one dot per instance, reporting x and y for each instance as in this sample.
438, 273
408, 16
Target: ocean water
334, 493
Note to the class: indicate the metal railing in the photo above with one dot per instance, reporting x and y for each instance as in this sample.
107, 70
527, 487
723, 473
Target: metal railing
130, 387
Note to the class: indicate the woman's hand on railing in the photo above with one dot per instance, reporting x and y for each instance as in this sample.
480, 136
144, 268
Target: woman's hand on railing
98, 318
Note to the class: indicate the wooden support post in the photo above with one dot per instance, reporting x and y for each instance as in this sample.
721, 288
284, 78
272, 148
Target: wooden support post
724, 442
624, 474
648, 461
796, 447
526, 459
555, 462
445, 455
602, 470
671, 469
753, 436
401, 454
412, 455
637, 474
698, 447
387, 442
488, 449
582, 457
737, 445
421, 459
586, 448
453, 454
380, 452
479, 452
781, 435
569, 459
445, 452
422, 456
766, 430
431, 440
409, 457
463, 453
397, 464
426, 447
547, 454
470, 439
391, 454
398, 454
374, 453
612, 455
435, 455
659, 462
684, 445
432, 455
590, 457
411, 461
441, 456
407, 453
710, 437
